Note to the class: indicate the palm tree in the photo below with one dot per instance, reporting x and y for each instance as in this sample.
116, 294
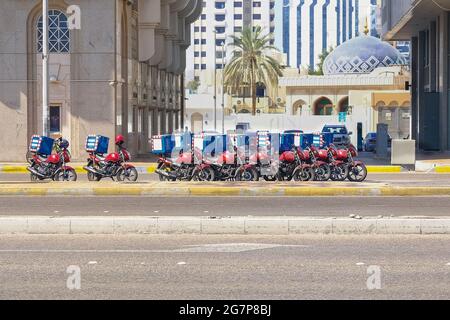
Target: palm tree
251, 63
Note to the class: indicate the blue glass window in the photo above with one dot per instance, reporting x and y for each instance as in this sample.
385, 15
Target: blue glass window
220, 17
237, 4
220, 5
256, 17
220, 29
238, 17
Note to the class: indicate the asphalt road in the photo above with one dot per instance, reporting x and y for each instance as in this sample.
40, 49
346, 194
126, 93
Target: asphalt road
224, 267
226, 206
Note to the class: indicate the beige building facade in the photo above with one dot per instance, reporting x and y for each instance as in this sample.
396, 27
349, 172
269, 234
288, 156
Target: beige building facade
120, 71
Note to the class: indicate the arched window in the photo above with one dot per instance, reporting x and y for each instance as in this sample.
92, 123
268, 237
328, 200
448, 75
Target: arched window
297, 108
343, 105
58, 33
323, 107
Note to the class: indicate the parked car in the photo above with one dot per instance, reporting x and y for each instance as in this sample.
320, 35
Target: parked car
370, 142
341, 136
293, 131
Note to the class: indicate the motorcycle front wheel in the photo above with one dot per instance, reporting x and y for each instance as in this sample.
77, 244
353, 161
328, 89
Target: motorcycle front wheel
127, 174
357, 173
65, 175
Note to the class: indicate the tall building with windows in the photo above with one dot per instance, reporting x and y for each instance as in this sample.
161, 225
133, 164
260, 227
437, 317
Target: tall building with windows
219, 20
305, 28
425, 25
121, 72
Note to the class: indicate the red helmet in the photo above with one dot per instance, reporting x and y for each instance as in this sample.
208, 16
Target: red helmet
120, 139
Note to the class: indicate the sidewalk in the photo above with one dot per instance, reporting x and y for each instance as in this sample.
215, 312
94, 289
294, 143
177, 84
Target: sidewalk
224, 226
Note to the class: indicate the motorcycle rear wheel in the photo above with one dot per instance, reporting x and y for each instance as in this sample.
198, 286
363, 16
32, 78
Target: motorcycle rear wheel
34, 177
247, 175
270, 178
128, 174
93, 177
67, 175
339, 173
164, 167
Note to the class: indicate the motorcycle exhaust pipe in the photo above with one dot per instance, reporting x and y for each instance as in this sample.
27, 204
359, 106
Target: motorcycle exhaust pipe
165, 174
90, 169
33, 171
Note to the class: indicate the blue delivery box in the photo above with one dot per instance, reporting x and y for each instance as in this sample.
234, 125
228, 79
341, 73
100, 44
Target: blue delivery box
97, 144
41, 145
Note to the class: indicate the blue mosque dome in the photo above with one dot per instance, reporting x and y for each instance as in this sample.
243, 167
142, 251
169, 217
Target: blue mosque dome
362, 54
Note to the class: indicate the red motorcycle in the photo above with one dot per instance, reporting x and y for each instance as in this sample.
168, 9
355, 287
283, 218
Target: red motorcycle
336, 160
256, 165
318, 159
186, 166
115, 165
54, 165
357, 171
293, 166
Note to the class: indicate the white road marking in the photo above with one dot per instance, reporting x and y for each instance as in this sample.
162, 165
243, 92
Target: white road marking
181, 263
92, 262
360, 264
206, 248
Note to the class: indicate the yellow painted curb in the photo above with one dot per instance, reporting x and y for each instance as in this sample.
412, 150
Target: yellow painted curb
384, 169
442, 169
255, 191
14, 169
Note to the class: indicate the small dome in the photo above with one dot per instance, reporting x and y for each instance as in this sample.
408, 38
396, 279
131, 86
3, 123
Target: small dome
362, 54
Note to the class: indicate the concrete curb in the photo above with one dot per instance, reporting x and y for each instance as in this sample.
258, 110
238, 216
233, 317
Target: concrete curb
237, 190
150, 168
209, 226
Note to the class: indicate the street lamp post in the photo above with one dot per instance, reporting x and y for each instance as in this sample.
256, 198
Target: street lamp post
45, 115
215, 82
223, 87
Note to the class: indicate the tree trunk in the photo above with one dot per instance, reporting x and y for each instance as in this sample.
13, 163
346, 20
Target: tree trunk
254, 99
